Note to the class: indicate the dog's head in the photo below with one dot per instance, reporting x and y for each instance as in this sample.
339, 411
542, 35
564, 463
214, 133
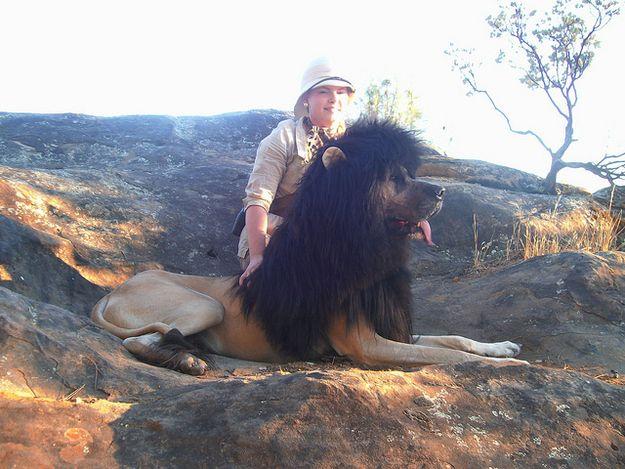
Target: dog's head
388, 157
408, 203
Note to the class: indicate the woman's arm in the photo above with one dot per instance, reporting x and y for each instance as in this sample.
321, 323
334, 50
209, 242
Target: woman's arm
269, 168
256, 222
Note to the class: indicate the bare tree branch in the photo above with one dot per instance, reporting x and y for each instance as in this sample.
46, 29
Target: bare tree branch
505, 116
610, 167
611, 157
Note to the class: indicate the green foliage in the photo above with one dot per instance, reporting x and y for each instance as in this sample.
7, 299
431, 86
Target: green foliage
385, 100
558, 45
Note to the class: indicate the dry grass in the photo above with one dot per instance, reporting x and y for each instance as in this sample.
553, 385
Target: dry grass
551, 233
569, 232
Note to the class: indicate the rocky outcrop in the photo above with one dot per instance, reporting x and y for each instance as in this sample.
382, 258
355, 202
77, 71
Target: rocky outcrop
99, 199
487, 175
86, 202
496, 212
566, 309
70, 395
106, 198
612, 197
463, 416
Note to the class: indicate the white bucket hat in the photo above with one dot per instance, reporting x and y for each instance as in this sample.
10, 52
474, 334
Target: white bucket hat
319, 73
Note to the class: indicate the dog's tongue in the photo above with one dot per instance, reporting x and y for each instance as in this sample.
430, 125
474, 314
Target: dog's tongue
427, 232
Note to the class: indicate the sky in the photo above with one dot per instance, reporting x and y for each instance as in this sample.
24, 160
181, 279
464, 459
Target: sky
192, 57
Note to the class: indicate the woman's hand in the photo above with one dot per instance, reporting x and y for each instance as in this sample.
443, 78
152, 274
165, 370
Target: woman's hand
255, 261
256, 225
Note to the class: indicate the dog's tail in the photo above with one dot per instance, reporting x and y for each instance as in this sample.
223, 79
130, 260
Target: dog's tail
97, 316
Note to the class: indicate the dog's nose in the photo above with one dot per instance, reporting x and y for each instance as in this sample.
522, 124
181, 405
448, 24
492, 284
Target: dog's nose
434, 191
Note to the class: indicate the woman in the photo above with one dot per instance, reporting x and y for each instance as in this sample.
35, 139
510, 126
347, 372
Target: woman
284, 155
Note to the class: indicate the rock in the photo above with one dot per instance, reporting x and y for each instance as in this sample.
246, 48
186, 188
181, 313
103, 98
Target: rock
28, 265
109, 197
462, 416
86, 202
497, 211
50, 433
101, 199
48, 352
611, 198
566, 309
70, 395
487, 175
63, 141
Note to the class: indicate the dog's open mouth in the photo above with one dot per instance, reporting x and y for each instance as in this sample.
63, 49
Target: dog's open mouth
419, 230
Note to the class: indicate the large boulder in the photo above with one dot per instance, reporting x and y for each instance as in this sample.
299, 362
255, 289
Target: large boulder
108, 197
566, 309
474, 213
86, 202
99, 199
487, 175
612, 197
70, 395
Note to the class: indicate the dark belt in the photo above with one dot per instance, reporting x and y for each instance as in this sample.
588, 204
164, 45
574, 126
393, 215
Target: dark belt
239, 223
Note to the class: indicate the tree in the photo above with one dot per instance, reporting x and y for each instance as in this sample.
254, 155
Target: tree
384, 100
551, 53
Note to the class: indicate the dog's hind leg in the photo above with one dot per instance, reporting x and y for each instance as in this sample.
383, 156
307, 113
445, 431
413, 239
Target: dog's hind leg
455, 342
197, 313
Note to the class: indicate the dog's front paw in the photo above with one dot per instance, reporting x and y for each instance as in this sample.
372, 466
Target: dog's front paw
505, 349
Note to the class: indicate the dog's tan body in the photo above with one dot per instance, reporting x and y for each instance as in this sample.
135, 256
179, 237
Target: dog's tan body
152, 303
164, 301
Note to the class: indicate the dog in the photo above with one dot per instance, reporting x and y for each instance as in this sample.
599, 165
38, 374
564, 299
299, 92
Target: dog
333, 278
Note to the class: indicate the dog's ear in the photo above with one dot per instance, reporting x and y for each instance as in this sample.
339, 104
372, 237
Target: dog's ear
332, 155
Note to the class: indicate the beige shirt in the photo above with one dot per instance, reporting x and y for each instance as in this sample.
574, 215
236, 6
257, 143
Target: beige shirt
281, 160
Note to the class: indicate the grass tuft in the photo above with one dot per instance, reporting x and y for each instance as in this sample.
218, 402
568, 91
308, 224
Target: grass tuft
550, 233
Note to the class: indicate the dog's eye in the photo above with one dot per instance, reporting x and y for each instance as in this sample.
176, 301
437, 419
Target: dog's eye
397, 179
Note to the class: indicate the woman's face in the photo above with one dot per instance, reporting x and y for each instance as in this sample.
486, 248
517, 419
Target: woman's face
327, 105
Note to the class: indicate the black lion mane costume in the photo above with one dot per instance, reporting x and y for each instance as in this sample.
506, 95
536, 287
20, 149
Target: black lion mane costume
333, 254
